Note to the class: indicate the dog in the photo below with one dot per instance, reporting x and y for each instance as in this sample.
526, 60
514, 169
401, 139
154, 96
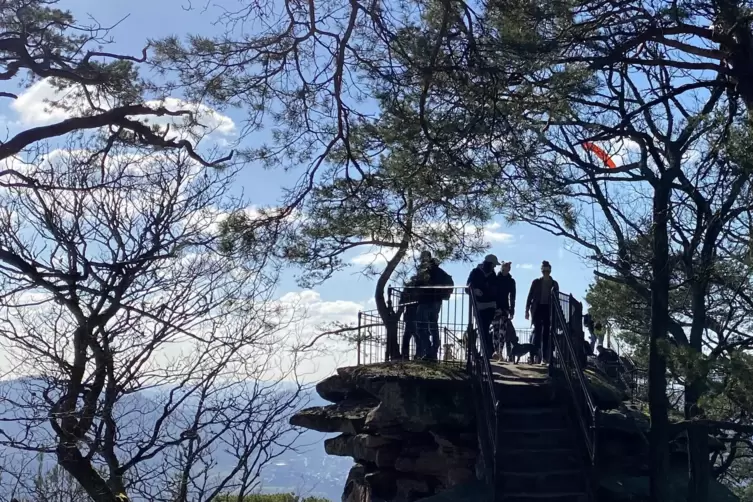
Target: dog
504, 335
521, 349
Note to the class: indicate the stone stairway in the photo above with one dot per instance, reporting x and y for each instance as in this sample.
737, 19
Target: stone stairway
539, 456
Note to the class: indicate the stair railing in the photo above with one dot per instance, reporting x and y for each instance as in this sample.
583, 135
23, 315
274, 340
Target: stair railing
568, 364
486, 398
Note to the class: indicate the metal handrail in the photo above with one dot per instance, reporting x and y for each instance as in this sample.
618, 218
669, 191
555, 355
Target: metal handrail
576, 381
479, 366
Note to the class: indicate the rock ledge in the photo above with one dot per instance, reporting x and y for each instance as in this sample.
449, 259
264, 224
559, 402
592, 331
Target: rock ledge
409, 426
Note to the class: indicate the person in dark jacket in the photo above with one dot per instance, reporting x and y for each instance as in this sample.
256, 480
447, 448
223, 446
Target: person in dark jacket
430, 275
506, 290
482, 284
409, 306
537, 307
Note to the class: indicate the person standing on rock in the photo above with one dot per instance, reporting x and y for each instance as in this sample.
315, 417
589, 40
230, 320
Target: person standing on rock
538, 307
482, 284
506, 290
409, 307
429, 279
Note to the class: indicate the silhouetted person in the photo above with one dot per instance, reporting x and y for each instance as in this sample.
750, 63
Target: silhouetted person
482, 283
506, 290
595, 329
597, 336
538, 308
607, 356
410, 310
430, 276
609, 361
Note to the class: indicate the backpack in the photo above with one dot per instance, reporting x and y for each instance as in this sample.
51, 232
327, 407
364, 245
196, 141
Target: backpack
442, 278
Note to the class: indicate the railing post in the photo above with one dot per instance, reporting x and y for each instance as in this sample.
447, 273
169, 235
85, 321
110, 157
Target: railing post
469, 339
552, 332
388, 326
497, 452
594, 460
358, 341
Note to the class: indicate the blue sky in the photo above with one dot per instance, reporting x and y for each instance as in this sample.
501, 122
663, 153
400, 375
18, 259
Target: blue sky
522, 244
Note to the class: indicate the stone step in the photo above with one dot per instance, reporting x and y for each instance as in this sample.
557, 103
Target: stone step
522, 370
536, 439
515, 393
533, 418
549, 459
524, 379
565, 481
551, 497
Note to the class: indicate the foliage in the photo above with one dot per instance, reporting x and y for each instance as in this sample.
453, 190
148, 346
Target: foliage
101, 93
54, 485
278, 497
129, 323
404, 197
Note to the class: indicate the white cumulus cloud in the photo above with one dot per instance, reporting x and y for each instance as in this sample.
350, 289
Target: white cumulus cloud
493, 234
43, 104
316, 315
377, 256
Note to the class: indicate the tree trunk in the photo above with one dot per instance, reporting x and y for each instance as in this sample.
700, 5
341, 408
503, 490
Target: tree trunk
657, 365
388, 314
698, 449
698, 440
72, 461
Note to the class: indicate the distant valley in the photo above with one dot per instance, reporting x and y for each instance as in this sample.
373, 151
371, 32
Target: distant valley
308, 471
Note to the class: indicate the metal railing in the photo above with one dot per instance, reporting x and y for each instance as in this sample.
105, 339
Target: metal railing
446, 334
371, 340
568, 364
452, 324
487, 400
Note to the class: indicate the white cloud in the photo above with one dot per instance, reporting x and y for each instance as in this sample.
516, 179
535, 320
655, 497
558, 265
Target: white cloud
524, 266
318, 310
210, 120
43, 104
376, 256
493, 235
303, 314
316, 315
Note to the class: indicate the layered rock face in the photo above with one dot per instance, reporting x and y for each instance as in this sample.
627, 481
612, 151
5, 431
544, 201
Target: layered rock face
410, 427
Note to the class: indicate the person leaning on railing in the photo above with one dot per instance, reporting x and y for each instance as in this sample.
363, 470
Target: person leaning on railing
482, 282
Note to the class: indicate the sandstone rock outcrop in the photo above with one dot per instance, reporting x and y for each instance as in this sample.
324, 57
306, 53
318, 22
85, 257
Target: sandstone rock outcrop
410, 427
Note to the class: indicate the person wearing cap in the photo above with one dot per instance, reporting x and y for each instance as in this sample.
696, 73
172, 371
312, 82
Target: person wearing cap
537, 306
482, 285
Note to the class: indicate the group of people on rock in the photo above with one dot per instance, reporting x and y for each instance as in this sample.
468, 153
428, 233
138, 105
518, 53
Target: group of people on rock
494, 293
